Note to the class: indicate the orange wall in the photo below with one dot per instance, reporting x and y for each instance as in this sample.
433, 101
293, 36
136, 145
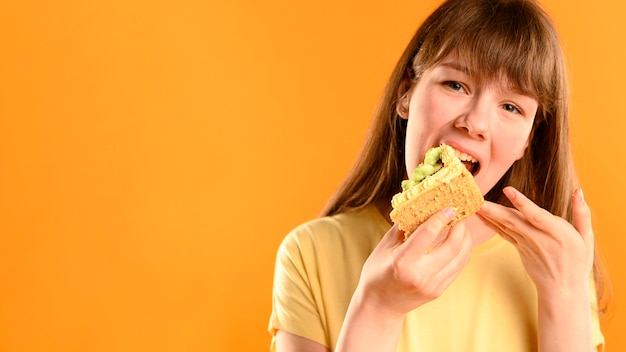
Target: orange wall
131, 131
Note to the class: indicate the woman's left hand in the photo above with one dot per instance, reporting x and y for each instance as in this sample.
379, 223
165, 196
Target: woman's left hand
557, 256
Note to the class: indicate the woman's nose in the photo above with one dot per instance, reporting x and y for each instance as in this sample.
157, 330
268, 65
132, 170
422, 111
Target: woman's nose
475, 120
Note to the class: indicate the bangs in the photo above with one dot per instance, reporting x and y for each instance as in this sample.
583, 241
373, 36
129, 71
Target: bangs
504, 40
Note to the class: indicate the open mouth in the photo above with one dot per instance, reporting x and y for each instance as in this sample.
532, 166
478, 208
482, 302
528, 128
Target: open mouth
471, 164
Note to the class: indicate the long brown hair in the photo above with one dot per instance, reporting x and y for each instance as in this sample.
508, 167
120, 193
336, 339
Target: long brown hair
514, 39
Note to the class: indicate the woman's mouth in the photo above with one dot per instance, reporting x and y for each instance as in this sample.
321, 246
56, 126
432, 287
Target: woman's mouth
471, 164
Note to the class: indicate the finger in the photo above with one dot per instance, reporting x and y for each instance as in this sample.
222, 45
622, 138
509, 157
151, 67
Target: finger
506, 221
451, 245
392, 238
497, 228
582, 217
423, 238
534, 214
455, 252
511, 225
526, 246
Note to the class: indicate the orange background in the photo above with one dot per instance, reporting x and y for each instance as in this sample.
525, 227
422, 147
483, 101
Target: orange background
153, 154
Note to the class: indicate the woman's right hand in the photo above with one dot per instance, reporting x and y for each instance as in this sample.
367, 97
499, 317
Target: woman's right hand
401, 275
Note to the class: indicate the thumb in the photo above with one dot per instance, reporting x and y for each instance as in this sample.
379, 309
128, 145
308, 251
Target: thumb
424, 238
393, 238
582, 217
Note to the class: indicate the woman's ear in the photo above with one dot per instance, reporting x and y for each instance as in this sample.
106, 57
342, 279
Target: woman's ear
402, 101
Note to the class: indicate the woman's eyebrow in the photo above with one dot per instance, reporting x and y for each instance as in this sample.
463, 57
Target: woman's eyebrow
456, 66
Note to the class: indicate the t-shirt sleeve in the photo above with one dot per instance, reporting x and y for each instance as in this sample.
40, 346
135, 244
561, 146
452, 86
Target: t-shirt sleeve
598, 337
294, 307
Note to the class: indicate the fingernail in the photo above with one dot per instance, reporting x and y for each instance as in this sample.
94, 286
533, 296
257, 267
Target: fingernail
449, 213
509, 193
581, 197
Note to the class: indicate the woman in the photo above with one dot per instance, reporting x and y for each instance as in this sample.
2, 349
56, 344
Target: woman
488, 78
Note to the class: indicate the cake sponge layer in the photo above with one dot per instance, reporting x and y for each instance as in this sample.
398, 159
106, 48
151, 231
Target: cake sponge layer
460, 193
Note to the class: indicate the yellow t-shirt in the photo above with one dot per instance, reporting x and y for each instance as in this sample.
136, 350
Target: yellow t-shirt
491, 306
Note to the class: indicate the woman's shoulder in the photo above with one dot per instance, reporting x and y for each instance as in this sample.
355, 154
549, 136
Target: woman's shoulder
361, 229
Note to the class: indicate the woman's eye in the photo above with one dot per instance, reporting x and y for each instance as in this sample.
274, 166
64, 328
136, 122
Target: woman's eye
512, 108
455, 86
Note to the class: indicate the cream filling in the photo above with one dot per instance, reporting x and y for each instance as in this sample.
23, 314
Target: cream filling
452, 167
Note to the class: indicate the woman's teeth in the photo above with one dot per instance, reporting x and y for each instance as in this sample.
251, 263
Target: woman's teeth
471, 164
465, 157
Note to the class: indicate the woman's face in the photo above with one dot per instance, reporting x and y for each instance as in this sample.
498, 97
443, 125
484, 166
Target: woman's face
489, 122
